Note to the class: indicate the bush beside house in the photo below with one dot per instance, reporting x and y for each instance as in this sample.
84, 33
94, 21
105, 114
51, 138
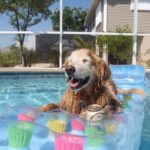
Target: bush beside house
119, 47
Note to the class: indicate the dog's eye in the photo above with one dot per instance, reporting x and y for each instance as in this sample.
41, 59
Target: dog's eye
85, 60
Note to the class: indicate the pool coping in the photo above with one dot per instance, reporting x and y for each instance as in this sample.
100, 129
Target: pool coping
37, 69
147, 70
30, 70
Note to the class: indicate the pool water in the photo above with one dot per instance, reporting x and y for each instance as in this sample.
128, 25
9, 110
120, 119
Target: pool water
31, 91
38, 91
145, 139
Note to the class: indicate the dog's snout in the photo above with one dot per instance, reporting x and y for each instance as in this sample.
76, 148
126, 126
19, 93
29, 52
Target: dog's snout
70, 70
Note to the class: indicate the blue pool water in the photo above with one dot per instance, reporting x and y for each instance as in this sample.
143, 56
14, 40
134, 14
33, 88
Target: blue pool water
38, 91
31, 91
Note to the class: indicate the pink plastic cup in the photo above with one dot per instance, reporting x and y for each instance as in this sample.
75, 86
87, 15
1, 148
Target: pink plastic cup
77, 125
69, 142
23, 117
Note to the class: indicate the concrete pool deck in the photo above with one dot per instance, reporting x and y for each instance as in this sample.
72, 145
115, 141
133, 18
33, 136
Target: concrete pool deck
37, 69
147, 70
30, 69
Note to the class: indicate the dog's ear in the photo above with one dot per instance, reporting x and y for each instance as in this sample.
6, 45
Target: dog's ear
106, 72
103, 70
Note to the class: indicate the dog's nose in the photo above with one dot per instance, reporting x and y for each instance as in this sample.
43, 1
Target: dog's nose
70, 70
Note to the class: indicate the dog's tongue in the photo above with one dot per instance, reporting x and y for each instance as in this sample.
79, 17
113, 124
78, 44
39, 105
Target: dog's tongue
74, 84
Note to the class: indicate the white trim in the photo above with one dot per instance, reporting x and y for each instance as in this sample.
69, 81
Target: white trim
82, 33
61, 33
143, 5
98, 33
98, 13
69, 33
105, 16
29, 32
105, 54
135, 20
143, 34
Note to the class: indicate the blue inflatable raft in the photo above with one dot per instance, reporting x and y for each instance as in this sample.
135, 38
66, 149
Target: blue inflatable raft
59, 130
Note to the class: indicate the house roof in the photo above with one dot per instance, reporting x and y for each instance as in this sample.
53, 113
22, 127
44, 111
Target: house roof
91, 13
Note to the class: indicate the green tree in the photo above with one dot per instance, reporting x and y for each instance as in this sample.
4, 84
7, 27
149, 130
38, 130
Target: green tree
73, 19
81, 43
119, 47
24, 14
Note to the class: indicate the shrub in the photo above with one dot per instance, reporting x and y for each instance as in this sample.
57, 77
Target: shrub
54, 57
147, 63
9, 58
119, 47
31, 56
80, 42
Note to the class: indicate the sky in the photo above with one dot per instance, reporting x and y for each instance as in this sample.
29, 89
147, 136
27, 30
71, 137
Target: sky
45, 25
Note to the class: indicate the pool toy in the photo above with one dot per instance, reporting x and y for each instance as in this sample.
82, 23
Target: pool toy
19, 134
69, 142
57, 126
95, 138
77, 127
111, 128
57, 121
24, 117
119, 117
59, 130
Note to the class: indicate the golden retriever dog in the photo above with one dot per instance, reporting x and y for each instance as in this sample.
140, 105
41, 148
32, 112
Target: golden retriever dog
90, 82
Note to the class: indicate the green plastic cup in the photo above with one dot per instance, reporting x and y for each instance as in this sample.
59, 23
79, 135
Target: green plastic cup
19, 134
95, 137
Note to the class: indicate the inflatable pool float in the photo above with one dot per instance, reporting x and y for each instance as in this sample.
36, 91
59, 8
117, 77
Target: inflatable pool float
59, 130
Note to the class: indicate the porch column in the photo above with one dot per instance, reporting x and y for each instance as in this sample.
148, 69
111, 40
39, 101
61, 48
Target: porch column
135, 23
61, 32
105, 54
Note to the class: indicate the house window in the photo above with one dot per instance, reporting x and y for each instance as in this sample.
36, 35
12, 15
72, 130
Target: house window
143, 5
98, 18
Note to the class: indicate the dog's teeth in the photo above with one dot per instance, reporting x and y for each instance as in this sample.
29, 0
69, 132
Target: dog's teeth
72, 78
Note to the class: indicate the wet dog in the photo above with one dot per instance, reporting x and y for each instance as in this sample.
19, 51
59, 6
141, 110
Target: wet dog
89, 80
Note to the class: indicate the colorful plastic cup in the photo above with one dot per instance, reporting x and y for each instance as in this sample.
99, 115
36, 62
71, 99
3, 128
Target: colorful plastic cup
119, 118
95, 137
57, 126
111, 128
125, 105
93, 132
77, 125
19, 134
23, 117
69, 142
95, 142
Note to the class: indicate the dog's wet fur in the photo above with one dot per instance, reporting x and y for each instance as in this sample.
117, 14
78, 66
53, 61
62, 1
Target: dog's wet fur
89, 79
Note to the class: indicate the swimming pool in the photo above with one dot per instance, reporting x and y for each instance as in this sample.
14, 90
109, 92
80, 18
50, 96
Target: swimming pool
37, 90
31, 91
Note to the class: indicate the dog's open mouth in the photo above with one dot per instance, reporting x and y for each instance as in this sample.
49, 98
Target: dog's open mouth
77, 83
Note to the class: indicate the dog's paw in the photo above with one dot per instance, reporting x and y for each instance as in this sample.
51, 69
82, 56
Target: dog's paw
48, 107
